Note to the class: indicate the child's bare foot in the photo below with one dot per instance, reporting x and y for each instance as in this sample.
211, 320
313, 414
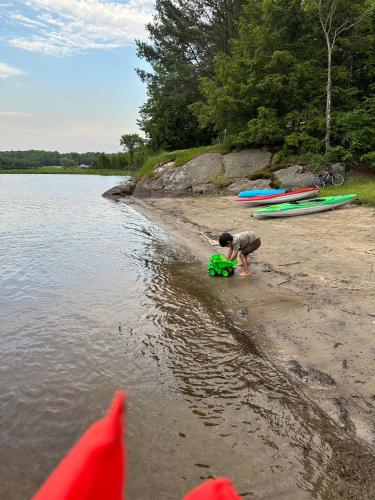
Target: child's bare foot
244, 274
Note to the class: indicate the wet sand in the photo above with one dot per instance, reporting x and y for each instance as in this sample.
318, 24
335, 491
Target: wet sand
309, 302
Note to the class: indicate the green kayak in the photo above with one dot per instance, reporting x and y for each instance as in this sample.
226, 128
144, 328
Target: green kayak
304, 207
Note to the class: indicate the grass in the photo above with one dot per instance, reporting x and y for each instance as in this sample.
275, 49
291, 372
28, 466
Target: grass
363, 185
180, 157
67, 170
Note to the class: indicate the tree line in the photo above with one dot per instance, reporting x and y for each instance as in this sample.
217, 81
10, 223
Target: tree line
297, 75
12, 160
38, 158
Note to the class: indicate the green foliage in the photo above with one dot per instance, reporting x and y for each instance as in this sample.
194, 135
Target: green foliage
369, 158
266, 129
357, 127
67, 170
315, 161
338, 154
185, 36
253, 73
67, 162
37, 158
131, 142
300, 143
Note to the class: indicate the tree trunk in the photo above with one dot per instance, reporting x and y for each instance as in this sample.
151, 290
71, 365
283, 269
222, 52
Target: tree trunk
329, 98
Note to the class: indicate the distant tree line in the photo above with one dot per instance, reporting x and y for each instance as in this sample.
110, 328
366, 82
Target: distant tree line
129, 159
295, 74
38, 158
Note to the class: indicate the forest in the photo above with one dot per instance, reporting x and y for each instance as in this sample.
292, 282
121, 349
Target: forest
297, 76
13, 160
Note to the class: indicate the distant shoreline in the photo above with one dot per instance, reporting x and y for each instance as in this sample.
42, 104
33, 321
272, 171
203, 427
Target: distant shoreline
68, 171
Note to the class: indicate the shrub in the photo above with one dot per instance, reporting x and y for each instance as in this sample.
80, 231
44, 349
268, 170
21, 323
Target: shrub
357, 127
300, 143
267, 128
369, 158
337, 154
313, 160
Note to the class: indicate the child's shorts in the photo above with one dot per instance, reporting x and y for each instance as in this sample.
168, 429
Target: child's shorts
251, 248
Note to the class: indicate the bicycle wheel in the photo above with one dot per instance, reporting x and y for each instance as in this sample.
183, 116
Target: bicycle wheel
337, 179
319, 182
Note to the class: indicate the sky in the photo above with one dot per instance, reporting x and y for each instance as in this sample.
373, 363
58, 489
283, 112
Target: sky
67, 73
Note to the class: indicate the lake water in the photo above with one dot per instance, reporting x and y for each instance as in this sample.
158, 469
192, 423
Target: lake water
94, 297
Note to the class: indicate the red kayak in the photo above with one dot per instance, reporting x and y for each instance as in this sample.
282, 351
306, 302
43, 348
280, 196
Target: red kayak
299, 194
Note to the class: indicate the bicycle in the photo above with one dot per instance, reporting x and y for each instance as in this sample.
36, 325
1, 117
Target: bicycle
328, 177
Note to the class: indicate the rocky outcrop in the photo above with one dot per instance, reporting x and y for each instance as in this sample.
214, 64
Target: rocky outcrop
124, 189
208, 173
245, 184
294, 177
244, 163
213, 173
196, 176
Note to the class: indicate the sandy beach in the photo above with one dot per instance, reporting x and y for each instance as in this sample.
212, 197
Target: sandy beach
309, 302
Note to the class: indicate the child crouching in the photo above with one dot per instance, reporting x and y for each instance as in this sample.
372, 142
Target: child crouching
241, 245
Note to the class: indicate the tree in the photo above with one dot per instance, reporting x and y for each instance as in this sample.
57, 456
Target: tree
130, 142
185, 37
67, 162
336, 17
272, 71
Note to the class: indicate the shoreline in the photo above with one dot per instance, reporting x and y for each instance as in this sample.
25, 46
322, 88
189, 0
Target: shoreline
66, 171
309, 301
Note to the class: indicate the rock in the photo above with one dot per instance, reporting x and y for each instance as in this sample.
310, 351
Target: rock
295, 368
245, 184
242, 312
243, 163
203, 188
206, 174
194, 177
164, 166
294, 177
339, 168
313, 375
200, 170
124, 189
321, 378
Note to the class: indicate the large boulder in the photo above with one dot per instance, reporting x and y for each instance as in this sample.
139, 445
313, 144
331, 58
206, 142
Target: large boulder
207, 173
295, 177
200, 170
243, 163
245, 184
194, 176
203, 188
124, 189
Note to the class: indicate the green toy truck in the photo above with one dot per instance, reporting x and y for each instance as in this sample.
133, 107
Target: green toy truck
220, 266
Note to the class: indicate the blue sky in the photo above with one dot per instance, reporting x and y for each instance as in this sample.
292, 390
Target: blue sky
67, 79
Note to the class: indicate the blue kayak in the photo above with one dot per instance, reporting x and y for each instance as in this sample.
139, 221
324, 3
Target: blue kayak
260, 192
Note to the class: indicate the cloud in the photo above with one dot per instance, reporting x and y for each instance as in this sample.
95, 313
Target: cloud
7, 71
61, 27
16, 114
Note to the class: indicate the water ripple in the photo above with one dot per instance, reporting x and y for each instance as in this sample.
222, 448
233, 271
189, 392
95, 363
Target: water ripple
93, 297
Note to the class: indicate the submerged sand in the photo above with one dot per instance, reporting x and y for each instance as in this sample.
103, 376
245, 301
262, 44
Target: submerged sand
310, 297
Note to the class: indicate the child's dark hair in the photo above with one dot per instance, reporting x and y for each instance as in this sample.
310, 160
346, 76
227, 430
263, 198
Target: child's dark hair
224, 239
